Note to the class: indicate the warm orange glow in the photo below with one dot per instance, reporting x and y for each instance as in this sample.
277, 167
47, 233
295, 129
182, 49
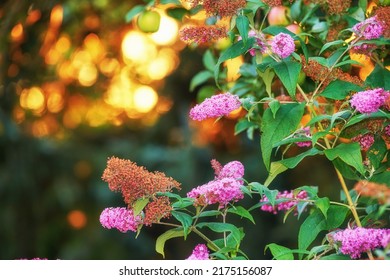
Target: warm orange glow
137, 48
39, 128
94, 47
77, 219
366, 71
52, 57
361, 58
371, 7
33, 99
17, 32
63, 44
233, 66
97, 115
55, 102
56, 16
145, 98
92, 21
33, 17
87, 75
235, 114
18, 114
159, 68
109, 66
119, 94
167, 33
13, 70
81, 57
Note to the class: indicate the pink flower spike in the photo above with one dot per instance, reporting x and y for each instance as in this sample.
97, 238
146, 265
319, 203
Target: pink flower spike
370, 28
356, 241
199, 253
369, 101
283, 45
216, 106
233, 169
120, 218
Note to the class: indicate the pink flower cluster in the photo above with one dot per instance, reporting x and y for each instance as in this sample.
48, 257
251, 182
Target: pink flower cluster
120, 218
370, 28
226, 186
216, 106
304, 132
356, 241
200, 252
369, 101
291, 200
365, 141
283, 45
260, 41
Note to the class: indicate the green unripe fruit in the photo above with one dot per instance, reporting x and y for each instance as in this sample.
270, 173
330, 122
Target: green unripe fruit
149, 21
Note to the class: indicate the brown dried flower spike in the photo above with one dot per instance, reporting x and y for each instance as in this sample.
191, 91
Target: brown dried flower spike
381, 192
135, 181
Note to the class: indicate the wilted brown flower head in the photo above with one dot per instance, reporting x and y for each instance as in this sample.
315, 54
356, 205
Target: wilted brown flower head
333, 7
334, 30
135, 181
275, 3
202, 34
223, 8
381, 192
156, 210
318, 72
383, 15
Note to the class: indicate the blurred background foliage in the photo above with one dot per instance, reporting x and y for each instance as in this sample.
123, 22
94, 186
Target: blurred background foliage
77, 85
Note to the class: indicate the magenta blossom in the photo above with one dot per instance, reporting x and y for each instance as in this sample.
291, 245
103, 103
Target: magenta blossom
216, 106
283, 45
369, 101
200, 252
370, 28
304, 132
387, 130
356, 241
221, 191
291, 200
365, 141
120, 218
233, 169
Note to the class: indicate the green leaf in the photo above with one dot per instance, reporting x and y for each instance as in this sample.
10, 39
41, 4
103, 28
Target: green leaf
242, 212
379, 78
177, 13
276, 128
209, 60
139, 205
323, 204
348, 153
242, 24
224, 227
363, 4
184, 219
336, 257
172, 233
288, 72
280, 252
289, 163
274, 105
316, 222
330, 44
338, 90
233, 51
210, 213
133, 12
200, 78
361, 117
267, 75
242, 125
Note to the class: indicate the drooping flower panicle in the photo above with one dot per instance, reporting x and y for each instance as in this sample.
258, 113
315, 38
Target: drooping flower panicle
225, 188
120, 218
156, 210
369, 101
370, 28
200, 252
216, 106
365, 141
283, 45
356, 241
135, 181
202, 34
